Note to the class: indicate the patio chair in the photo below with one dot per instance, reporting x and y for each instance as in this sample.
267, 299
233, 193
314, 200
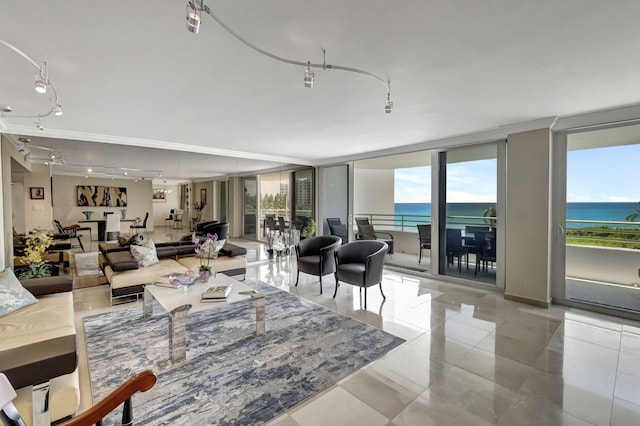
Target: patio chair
455, 249
485, 249
338, 229
141, 382
424, 239
367, 232
314, 256
360, 263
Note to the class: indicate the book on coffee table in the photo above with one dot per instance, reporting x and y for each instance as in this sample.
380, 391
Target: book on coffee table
216, 292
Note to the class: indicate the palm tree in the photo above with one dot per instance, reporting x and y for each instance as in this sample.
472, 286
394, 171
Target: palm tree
633, 216
490, 216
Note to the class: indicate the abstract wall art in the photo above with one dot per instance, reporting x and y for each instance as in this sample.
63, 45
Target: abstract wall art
102, 196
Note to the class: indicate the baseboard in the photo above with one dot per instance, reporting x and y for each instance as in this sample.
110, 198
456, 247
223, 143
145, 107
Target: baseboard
533, 302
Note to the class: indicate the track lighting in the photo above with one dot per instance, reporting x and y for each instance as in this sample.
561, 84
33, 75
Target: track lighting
193, 17
41, 85
194, 14
308, 76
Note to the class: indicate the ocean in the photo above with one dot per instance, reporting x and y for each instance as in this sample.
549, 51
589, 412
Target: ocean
614, 212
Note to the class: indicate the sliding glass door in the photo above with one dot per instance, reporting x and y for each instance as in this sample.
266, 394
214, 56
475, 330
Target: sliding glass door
467, 212
251, 206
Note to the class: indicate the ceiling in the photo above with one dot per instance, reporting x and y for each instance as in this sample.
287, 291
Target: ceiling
132, 79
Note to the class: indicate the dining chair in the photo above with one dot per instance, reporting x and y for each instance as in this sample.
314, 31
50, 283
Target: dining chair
143, 226
112, 228
455, 249
71, 231
424, 239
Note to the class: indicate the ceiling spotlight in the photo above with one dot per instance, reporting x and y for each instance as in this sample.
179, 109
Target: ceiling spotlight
5, 108
193, 18
46, 163
125, 173
39, 126
89, 170
57, 110
388, 105
308, 76
41, 80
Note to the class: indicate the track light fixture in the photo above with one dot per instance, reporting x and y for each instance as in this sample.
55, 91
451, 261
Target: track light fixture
308, 76
194, 13
42, 80
41, 85
194, 16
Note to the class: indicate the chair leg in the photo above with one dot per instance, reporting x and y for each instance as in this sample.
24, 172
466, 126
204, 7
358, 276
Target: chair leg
365, 298
383, 296
420, 258
336, 290
297, 278
80, 242
320, 282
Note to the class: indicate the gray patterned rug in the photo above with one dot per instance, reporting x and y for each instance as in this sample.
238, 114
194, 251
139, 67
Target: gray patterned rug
231, 376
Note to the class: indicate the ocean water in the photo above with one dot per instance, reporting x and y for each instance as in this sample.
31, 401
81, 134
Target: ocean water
613, 212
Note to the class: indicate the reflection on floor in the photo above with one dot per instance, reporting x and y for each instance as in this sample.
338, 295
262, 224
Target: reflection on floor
471, 357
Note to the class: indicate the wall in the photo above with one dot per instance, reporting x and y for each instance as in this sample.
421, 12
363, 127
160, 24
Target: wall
17, 211
527, 216
38, 213
162, 211
374, 191
67, 211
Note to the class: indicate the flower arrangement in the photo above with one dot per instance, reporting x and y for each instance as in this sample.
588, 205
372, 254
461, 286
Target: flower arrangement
37, 243
208, 250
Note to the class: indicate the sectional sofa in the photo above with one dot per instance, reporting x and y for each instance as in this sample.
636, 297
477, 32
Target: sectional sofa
38, 348
127, 279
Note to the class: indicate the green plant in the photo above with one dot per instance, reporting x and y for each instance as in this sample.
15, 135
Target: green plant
310, 229
633, 216
37, 243
489, 215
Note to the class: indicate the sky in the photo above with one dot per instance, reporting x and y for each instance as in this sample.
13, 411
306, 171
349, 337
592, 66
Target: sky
470, 182
610, 174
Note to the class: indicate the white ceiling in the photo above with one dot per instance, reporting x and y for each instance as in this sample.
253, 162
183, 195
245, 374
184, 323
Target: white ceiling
129, 73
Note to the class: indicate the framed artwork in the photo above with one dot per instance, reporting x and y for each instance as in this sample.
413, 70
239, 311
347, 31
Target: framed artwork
101, 196
159, 196
203, 196
37, 193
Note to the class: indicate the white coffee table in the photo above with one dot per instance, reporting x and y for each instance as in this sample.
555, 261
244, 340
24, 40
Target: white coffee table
178, 304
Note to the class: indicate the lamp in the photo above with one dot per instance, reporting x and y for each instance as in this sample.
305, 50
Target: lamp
57, 110
42, 80
194, 13
308, 76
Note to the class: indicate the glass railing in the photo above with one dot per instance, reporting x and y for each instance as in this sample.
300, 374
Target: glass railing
408, 222
603, 233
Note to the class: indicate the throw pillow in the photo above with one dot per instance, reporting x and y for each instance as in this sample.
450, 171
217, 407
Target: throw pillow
13, 295
209, 249
145, 254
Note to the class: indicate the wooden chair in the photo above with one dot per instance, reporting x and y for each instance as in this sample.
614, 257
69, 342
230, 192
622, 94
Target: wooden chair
141, 382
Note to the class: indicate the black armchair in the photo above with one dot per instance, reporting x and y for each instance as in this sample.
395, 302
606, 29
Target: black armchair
142, 226
361, 263
214, 227
367, 232
424, 237
315, 256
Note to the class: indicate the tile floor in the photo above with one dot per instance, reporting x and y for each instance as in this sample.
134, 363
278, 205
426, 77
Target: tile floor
471, 357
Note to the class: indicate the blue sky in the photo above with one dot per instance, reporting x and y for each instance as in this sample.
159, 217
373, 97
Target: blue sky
610, 174
470, 182
604, 174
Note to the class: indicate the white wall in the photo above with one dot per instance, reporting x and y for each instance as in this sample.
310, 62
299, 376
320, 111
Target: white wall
38, 213
374, 191
527, 216
17, 210
67, 211
161, 211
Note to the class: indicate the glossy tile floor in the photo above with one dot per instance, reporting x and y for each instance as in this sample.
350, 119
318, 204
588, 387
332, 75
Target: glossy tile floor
471, 357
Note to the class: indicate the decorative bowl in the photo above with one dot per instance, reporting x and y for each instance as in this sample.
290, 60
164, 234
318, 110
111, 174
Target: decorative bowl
185, 281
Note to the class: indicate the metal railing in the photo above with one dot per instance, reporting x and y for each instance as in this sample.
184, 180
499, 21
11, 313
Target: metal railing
409, 222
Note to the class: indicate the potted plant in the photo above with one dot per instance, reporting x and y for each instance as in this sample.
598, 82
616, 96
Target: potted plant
310, 229
206, 251
37, 243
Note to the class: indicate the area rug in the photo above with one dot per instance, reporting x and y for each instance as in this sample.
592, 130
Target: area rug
231, 376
